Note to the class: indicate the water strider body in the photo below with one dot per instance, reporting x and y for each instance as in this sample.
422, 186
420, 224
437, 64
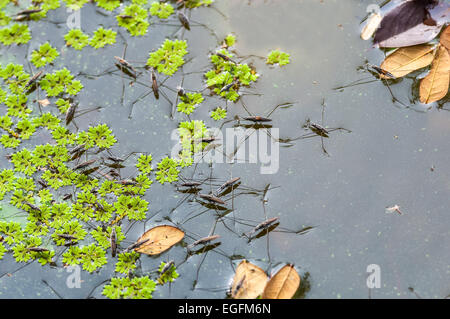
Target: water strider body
212, 198
316, 128
70, 112
184, 20
155, 87
33, 79
84, 164
167, 267
136, 245
265, 224
203, 240
228, 184
257, 119
113, 242
126, 64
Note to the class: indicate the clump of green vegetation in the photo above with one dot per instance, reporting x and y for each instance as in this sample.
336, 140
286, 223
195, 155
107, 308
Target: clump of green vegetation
76, 39
169, 275
191, 134
17, 33
230, 40
219, 114
197, 3
169, 57
109, 5
59, 82
127, 288
145, 164
227, 76
278, 57
75, 4
167, 171
134, 19
189, 102
44, 55
161, 10
102, 37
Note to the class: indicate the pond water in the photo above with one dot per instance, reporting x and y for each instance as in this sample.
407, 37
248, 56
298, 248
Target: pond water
390, 155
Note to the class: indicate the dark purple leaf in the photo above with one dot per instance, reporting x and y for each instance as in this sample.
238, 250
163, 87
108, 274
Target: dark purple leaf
405, 17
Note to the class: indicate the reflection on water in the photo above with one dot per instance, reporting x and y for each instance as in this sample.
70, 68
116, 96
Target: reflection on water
332, 190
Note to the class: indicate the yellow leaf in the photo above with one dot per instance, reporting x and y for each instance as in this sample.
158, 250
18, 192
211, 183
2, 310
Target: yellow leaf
435, 85
371, 26
283, 285
160, 238
406, 60
445, 38
249, 281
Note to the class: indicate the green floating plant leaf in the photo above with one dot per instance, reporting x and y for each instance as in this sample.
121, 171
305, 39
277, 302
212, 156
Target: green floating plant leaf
169, 275
109, 5
127, 262
144, 164
44, 55
59, 82
219, 113
75, 4
101, 136
134, 19
167, 171
17, 33
76, 39
197, 3
130, 288
189, 102
161, 10
276, 56
169, 57
102, 37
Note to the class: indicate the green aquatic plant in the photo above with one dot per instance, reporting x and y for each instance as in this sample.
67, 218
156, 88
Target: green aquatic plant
161, 10
219, 114
4, 19
22, 162
6, 182
169, 57
102, 37
197, 3
144, 164
230, 40
75, 4
126, 262
278, 57
130, 288
191, 134
167, 171
59, 82
227, 76
17, 33
92, 257
189, 102
77, 39
103, 237
169, 275
44, 55
63, 105
134, 19
132, 207
101, 136
108, 5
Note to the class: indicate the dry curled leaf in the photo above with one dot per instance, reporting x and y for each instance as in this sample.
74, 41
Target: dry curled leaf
406, 60
283, 285
435, 85
44, 102
371, 26
249, 281
445, 38
160, 238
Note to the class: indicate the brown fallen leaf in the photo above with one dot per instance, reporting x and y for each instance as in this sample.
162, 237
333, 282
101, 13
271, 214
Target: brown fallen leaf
371, 26
445, 38
249, 281
44, 102
160, 238
406, 60
283, 285
435, 85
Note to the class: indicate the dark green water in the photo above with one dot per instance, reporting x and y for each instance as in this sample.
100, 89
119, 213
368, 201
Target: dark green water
385, 160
